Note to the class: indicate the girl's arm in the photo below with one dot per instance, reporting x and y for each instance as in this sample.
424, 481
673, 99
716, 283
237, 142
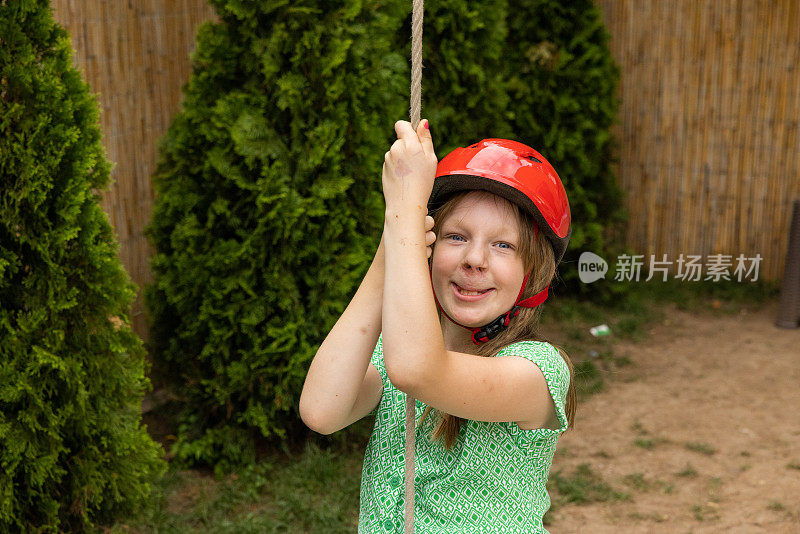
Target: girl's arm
338, 369
334, 380
412, 335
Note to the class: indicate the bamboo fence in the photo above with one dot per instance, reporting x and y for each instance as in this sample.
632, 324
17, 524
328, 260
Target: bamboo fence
708, 131
135, 54
708, 126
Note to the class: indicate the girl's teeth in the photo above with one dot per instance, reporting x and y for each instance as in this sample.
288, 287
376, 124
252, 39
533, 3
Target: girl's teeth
465, 292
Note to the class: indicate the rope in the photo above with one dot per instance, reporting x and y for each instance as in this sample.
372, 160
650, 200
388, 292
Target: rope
416, 106
416, 62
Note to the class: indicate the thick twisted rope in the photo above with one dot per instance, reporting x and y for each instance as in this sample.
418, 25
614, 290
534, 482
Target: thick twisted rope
416, 106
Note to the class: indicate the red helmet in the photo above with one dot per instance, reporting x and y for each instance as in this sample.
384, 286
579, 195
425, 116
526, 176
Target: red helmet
515, 172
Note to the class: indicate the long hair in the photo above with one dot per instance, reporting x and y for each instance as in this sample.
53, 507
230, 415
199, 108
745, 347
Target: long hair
538, 260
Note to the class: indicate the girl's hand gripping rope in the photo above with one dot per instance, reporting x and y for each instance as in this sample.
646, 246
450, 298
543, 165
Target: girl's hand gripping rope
409, 169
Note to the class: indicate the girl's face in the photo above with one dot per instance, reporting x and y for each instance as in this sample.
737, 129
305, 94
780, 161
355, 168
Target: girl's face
476, 269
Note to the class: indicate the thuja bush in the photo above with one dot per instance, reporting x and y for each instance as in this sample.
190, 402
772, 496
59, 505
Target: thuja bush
268, 210
269, 205
73, 452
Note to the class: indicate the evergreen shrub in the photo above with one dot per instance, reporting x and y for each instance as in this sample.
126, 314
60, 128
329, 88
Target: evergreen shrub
268, 210
72, 373
269, 205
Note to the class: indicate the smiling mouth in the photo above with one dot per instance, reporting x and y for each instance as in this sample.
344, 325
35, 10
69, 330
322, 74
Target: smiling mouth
469, 293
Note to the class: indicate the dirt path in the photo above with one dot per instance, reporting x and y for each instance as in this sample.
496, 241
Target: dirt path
702, 432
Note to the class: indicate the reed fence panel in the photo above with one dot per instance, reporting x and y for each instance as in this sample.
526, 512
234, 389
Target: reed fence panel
708, 131
135, 54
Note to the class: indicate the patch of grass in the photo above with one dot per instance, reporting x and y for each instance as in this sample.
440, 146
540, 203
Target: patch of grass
745, 467
701, 448
563, 452
625, 317
583, 486
632, 378
649, 443
315, 490
574, 332
793, 465
637, 427
691, 296
654, 516
588, 378
703, 512
637, 481
632, 306
688, 471
575, 310
645, 440
776, 506
631, 327
622, 361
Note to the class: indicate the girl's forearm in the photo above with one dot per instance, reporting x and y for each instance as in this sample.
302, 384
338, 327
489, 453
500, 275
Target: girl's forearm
338, 369
412, 337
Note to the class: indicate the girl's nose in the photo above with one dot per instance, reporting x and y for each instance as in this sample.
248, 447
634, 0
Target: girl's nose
476, 257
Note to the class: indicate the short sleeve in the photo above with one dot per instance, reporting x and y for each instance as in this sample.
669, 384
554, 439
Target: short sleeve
553, 367
377, 360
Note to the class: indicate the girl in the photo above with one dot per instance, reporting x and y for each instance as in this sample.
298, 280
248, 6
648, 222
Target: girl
447, 313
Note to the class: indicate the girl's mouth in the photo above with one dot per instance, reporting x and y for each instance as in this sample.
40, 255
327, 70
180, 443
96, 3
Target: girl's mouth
465, 294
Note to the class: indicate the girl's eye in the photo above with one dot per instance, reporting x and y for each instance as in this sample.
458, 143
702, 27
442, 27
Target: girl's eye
505, 245
454, 236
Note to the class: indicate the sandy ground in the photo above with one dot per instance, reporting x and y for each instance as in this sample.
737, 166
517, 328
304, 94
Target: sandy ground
702, 432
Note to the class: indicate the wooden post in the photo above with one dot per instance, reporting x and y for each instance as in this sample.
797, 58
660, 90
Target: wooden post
789, 309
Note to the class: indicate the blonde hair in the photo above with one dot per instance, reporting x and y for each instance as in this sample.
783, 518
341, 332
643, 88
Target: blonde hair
539, 260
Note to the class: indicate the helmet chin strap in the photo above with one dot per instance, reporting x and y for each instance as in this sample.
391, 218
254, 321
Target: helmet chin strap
482, 334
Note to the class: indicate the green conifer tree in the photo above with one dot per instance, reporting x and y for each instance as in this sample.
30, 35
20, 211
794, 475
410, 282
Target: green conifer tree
268, 211
72, 450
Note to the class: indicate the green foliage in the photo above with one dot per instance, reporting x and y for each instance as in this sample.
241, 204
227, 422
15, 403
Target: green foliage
72, 450
582, 487
269, 210
701, 448
269, 206
588, 378
314, 489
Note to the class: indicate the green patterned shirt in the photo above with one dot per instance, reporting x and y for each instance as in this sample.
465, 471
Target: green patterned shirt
492, 481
